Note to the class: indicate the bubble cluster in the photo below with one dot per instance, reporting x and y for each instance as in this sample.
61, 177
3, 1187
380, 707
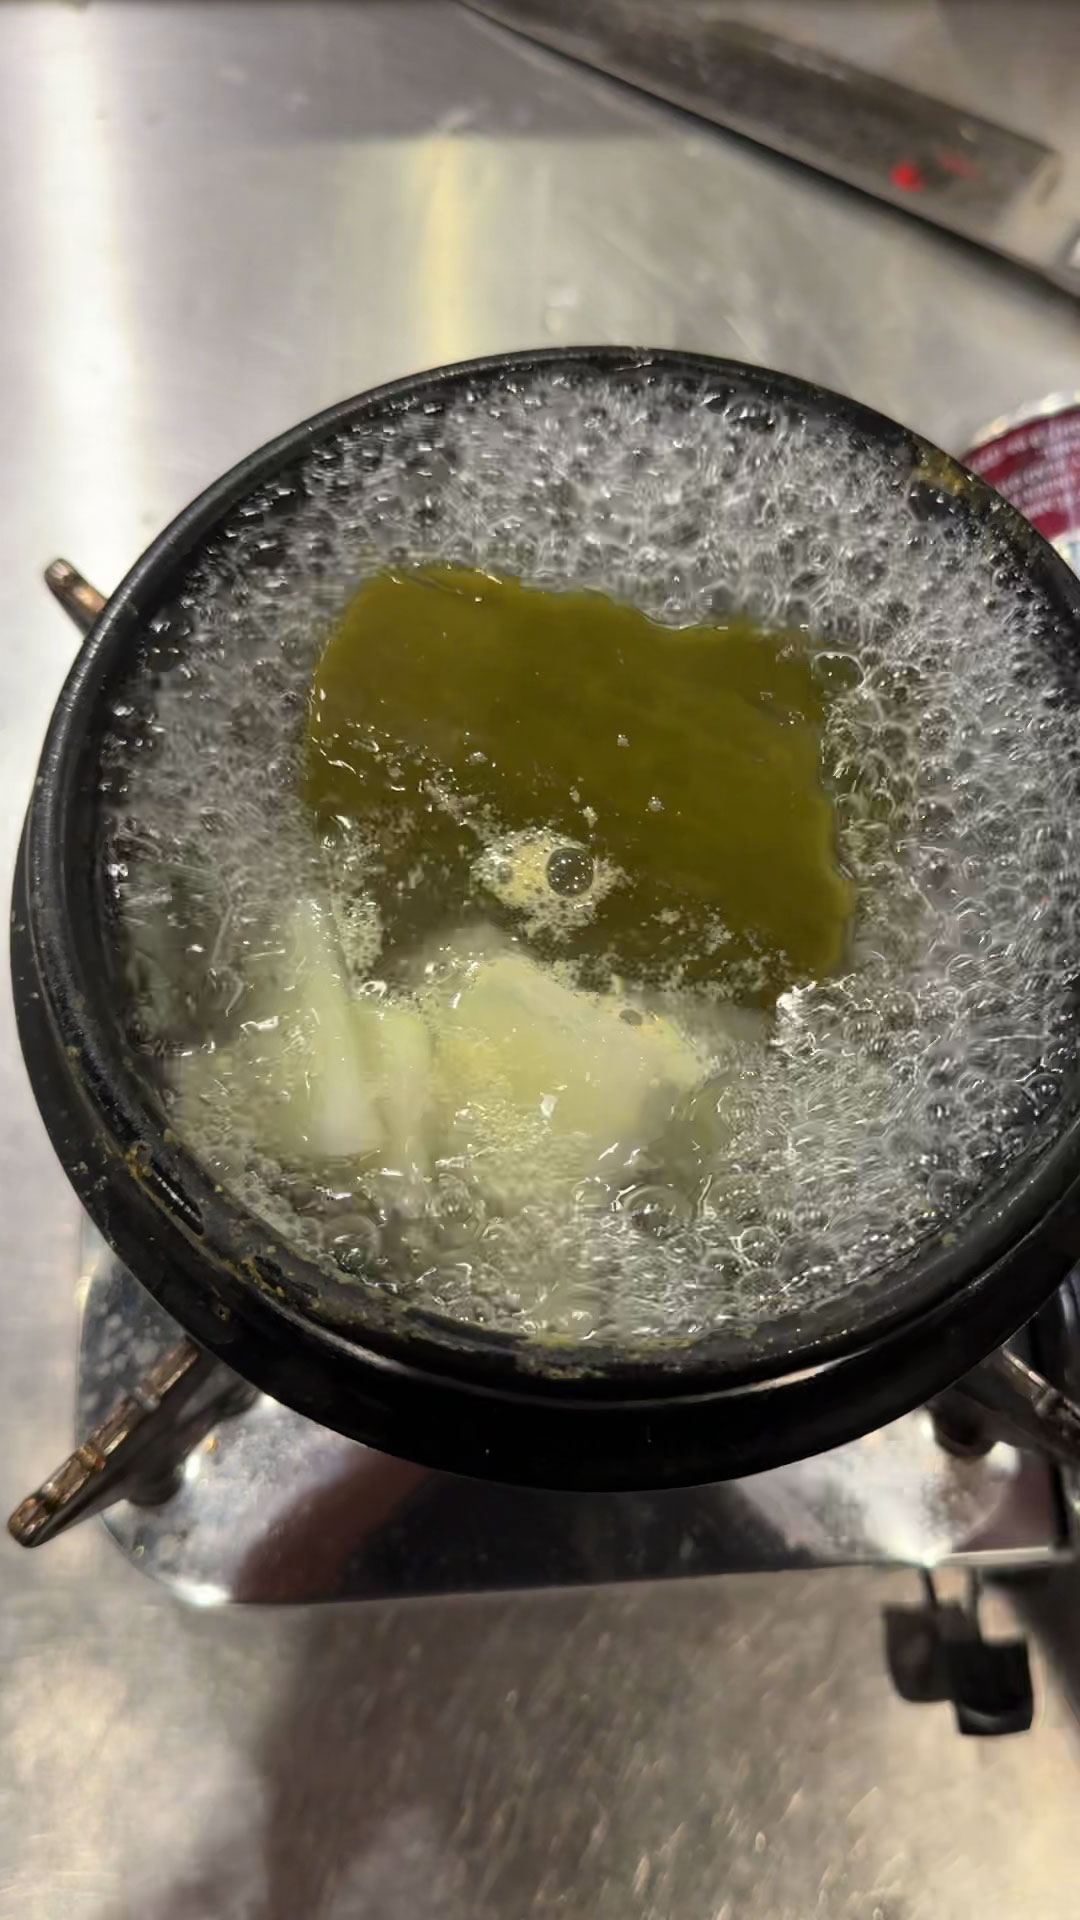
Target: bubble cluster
871, 1109
553, 883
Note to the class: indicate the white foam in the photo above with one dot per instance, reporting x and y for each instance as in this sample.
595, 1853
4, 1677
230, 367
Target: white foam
885, 1099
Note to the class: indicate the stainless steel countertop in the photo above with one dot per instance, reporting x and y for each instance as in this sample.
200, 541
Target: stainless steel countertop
217, 218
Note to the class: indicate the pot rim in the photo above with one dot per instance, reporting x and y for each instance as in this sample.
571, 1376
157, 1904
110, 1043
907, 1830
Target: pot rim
989, 1271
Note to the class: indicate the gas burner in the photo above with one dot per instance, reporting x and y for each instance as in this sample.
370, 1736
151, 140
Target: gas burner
222, 1494
231, 1497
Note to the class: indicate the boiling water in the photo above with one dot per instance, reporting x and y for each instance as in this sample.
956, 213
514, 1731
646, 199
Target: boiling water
801, 1147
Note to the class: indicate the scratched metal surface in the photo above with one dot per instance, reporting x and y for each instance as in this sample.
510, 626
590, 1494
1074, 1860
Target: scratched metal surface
215, 219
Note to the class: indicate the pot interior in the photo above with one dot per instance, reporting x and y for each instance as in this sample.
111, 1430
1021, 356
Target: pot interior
746, 1148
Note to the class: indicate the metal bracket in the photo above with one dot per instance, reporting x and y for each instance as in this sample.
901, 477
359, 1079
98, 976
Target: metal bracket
137, 1451
81, 602
1026, 1407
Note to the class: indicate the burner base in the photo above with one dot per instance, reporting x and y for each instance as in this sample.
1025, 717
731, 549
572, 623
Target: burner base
271, 1508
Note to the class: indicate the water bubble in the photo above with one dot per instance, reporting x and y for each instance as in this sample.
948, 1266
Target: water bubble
570, 870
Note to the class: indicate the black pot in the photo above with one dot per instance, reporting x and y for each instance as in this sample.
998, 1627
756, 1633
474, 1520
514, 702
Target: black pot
466, 1400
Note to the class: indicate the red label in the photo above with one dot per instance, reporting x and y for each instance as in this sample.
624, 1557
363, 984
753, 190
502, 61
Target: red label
1037, 467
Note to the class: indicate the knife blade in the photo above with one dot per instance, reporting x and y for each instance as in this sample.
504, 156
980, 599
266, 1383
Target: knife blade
1000, 189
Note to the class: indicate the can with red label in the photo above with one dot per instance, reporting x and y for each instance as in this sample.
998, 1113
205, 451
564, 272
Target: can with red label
1033, 458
